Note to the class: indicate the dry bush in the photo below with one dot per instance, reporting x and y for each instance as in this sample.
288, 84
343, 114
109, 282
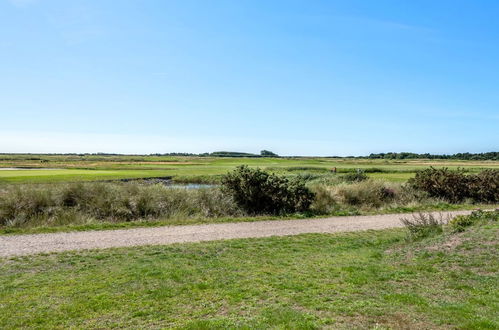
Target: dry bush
423, 225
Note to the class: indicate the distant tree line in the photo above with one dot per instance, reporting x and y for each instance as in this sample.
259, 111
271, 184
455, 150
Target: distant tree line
494, 155
461, 156
263, 153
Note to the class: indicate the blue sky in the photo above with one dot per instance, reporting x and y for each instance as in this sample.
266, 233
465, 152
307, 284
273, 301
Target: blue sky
296, 77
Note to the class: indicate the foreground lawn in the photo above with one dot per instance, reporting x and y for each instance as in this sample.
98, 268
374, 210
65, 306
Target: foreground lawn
355, 280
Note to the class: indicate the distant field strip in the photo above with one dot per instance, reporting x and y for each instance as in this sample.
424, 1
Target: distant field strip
206, 169
44, 175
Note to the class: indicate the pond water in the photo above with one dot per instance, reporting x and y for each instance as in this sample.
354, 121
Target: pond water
190, 185
169, 183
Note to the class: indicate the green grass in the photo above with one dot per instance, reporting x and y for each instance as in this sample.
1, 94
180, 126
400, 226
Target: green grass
373, 279
393, 177
205, 169
198, 174
65, 175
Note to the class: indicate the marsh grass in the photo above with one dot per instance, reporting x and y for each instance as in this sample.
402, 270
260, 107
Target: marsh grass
78, 203
27, 208
369, 195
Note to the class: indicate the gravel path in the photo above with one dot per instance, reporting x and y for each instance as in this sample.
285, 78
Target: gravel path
17, 245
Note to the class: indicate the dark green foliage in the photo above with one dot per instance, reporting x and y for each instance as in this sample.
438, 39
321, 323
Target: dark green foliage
266, 153
455, 186
461, 222
259, 192
410, 155
423, 225
484, 186
230, 154
443, 183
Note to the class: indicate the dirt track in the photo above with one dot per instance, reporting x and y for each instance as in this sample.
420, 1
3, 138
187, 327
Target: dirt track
17, 245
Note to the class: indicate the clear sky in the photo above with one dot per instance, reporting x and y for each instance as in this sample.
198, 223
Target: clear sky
295, 77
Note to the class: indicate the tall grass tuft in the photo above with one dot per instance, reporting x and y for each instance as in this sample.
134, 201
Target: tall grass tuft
423, 225
81, 202
368, 195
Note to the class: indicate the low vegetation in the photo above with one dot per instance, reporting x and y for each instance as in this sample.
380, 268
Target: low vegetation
257, 192
462, 222
423, 225
79, 203
246, 193
371, 195
362, 280
456, 186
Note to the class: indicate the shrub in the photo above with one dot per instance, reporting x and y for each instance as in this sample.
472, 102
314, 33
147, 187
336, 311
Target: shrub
456, 186
484, 186
443, 183
423, 225
461, 222
257, 191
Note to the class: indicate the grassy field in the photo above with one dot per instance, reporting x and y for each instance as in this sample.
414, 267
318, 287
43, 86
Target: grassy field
67, 175
373, 279
203, 169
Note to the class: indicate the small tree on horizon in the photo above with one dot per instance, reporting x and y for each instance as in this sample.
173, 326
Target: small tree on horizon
266, 153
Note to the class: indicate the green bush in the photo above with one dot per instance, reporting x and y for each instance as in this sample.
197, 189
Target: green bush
456, 186
461, 222
442, 183
484, 186
259, 192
